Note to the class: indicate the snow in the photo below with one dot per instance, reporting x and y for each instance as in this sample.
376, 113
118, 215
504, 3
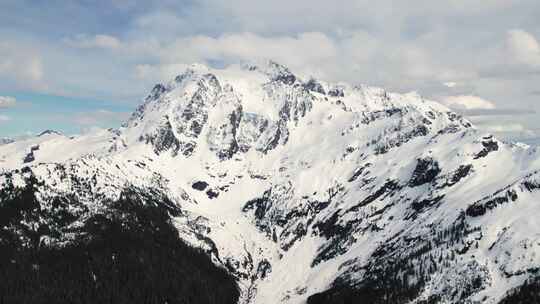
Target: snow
324, 148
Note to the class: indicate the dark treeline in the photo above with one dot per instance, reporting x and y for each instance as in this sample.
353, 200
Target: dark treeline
528, 293
366, 295
398, 276
129, 253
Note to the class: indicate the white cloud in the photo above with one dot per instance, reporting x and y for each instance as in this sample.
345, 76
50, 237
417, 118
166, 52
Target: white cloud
523, 47
7, 101
21, 64
305, 15
97, 41
509, 127
159, 20
290, 50
4, 118
354, 56
450, 84
467, 102
99, 117
304, 53
161, 72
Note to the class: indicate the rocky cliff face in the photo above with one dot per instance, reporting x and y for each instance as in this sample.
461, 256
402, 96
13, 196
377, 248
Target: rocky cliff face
310, 191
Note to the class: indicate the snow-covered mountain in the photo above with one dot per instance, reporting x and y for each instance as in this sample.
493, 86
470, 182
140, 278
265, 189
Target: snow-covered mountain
309, 191
6, 140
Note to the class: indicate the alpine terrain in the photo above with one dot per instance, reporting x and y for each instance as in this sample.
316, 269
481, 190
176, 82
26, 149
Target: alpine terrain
250, 184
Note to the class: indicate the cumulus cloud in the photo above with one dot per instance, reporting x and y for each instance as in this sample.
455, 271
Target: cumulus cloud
523, 47
295, 50
355, 56
305, 53
7, 102
97, 41
308, 15
467, 102
21, 64
517, 57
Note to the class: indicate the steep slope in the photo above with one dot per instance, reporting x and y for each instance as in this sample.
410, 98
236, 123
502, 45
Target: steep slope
310, 191
79, 247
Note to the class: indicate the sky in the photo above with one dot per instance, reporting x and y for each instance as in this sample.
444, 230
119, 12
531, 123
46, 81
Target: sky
78, 65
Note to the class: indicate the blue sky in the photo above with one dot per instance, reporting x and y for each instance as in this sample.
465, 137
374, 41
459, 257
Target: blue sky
70, 115
75, 65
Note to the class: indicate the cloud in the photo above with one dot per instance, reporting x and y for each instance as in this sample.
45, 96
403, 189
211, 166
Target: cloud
97, 41
99, 118
159, 72
295, 50
450, 84
498, 112
401, 46
304, 53
517, 57
523, 47
21, 64
510, 127
283, 16
509, 130
4, 118
7, 102
467, 102
354, 56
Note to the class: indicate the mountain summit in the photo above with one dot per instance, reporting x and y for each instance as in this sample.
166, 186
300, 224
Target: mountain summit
303, 190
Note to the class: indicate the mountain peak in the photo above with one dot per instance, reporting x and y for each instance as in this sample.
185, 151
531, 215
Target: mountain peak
49, 132
267, 99
271, 68
6, 140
